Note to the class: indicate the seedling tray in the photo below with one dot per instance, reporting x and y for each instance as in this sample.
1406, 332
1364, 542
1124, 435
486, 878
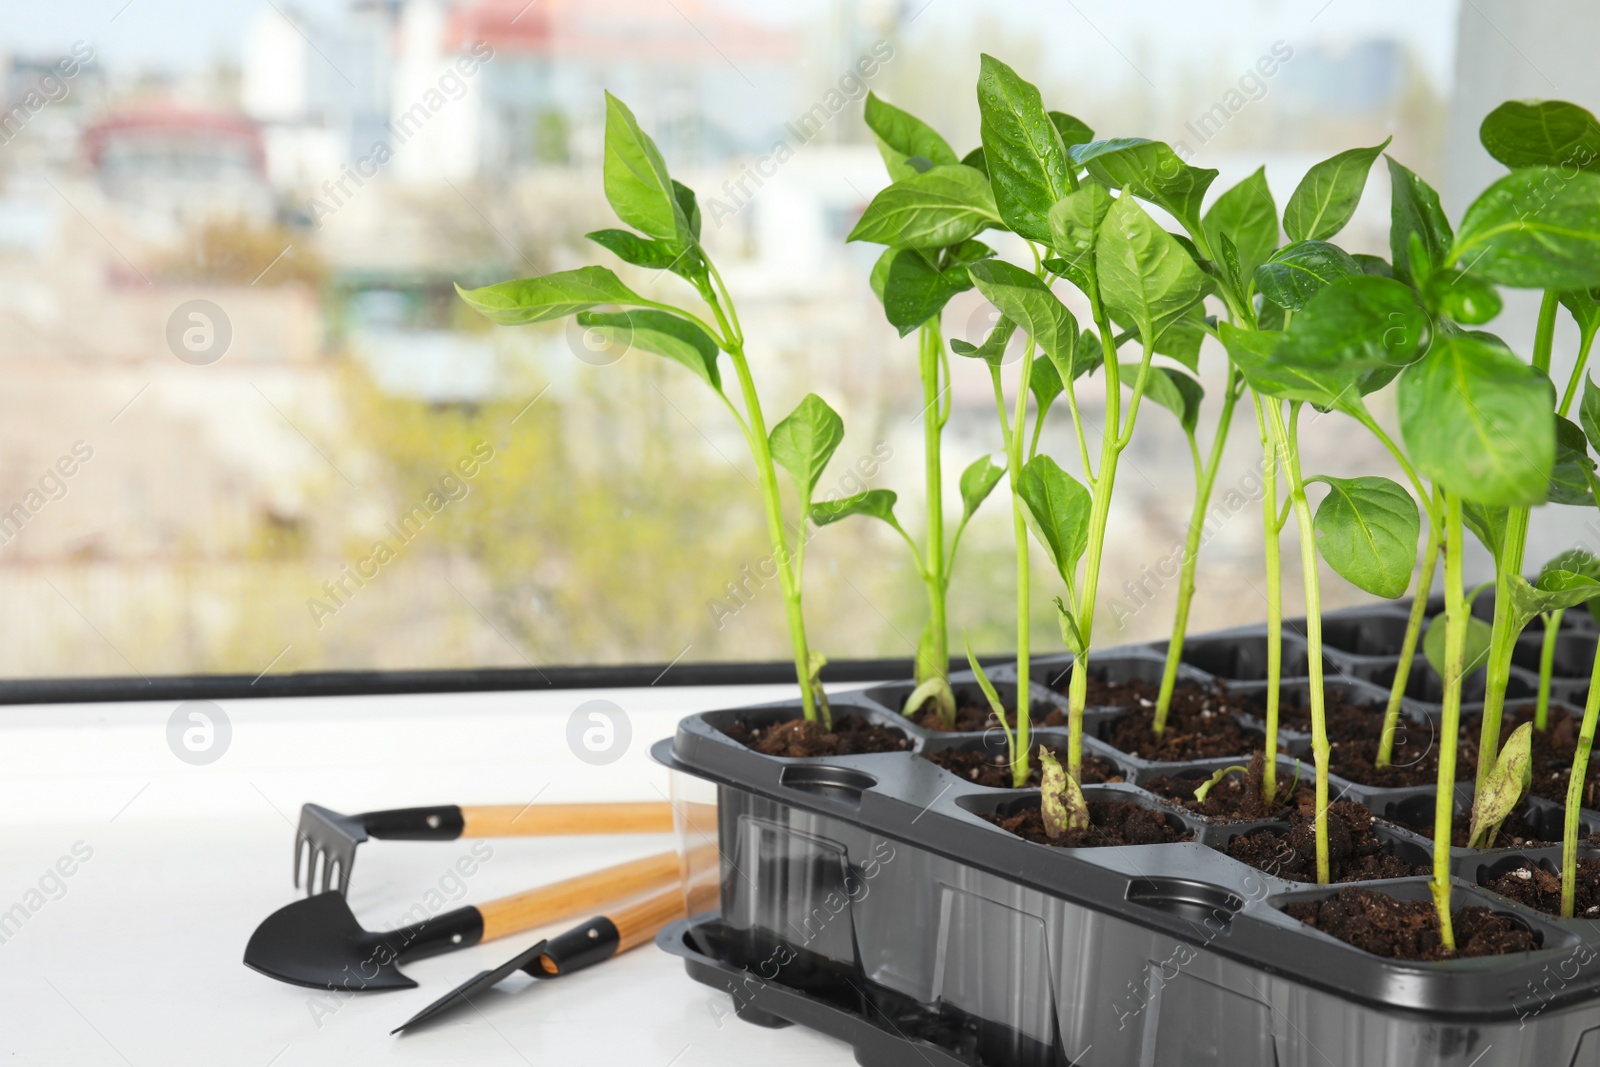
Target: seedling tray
866, 898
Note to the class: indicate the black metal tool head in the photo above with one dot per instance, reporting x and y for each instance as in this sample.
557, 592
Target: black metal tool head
317, 942
482, 982
326, 843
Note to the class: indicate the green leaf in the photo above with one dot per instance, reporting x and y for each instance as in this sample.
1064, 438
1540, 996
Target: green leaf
1557, 591
976, 160
993, 349
1584, 304
631, 248
804, 441
1073, 130
1057, 507
1144, 274
1071, 635
660, 332
1327, 196
1488, 525
901, 135
1044, 383
1534, 133
689, 205
936, 689
1479, 421
1537, 228
1061, 802
943, 206
1354, 334
1254, 352
1216, 779
879, 278
1292, 275
977, 482
1027, 301
1151, 171
1374, 265
1570, 475
989, 693
1246, 216
1462, 296
549, 296
1415, 217
1480, 637
1503, 787
1022, 149
1569, 570
1075, 222
636, 181
1173, 390
1589, 412
915, 290
1367, 530
876, 503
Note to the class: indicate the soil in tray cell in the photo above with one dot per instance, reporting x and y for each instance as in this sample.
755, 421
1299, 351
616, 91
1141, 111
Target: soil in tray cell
1538, 888
1354, 733
1355, 852
1553, 750
1111, 822
1409, 929
1236, 798
1520, 830
989, 768
1199, 723
976, 718
801, 738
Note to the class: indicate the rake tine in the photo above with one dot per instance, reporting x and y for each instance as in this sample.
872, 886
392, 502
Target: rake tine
301, 845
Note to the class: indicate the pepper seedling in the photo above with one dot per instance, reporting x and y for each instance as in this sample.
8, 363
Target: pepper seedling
1504, 787
665, 236
927, 217
1216, 779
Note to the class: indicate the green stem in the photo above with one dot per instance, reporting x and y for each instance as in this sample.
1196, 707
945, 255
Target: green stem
1288, 447
1205, 482
1580, 774
1547, 662
1408, 645
1503, 638
1585, 342
934, 575
1455, 602
1272, 555
1111, 446
1019, 533
766, 471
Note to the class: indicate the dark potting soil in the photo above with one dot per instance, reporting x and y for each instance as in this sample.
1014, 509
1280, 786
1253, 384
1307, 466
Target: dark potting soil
1236, 798
1194, 730
1355, 852
1553, 750
1409, 929
1518, 831
801, 738
989, 768
1111, 822
1538, 888
976, 718
1354, 733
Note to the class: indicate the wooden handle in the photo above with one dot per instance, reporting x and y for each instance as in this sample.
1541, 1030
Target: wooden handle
542, 820
573, 896
636, 923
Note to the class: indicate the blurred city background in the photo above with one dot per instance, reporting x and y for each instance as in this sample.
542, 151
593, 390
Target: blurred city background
234, 362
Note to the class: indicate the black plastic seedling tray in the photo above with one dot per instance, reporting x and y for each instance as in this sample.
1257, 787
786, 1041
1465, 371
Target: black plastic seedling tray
865, 897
